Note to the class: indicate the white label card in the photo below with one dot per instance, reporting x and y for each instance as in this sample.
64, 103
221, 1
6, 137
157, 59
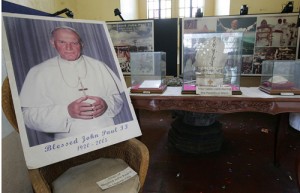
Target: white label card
213, 90
117, 178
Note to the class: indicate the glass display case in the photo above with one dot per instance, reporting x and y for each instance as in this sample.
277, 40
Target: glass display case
148, 72
212, 63
280, 77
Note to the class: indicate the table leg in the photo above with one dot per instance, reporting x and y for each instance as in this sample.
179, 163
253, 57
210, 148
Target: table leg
280, 132
137, 113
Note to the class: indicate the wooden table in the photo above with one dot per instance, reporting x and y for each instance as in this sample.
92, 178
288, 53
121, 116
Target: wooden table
251, 100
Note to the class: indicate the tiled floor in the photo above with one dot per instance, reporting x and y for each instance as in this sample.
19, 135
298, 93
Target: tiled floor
243, 165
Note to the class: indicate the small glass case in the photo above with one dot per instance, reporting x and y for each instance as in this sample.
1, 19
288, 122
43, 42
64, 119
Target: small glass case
148, 72
212, 63
280, 77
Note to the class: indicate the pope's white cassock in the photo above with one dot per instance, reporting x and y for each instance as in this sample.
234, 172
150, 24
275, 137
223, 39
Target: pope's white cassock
52, 85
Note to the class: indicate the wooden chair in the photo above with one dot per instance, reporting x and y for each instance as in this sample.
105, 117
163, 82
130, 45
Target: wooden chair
132, 151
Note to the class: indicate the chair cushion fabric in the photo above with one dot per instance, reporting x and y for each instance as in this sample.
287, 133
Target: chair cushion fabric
83, 178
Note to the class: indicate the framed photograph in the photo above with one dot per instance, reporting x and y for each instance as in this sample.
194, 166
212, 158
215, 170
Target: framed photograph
236, 24
277, 31
69, 93
131, 36
199, 25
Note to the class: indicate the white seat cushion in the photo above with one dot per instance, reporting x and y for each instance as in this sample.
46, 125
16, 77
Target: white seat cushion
83, 178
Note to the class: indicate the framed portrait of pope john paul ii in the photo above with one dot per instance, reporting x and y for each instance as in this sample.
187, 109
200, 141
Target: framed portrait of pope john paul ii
68, 90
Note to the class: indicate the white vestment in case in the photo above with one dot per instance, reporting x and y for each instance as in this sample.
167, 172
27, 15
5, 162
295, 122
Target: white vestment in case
52, 85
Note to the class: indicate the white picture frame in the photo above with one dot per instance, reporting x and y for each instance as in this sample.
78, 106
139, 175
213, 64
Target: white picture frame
25, 42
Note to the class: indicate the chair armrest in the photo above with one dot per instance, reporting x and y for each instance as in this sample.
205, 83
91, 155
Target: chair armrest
134, 153
39, 184
8, 105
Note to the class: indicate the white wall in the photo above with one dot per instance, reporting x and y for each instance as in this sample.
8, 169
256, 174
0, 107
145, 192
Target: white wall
222, 7
260, 6
129, 9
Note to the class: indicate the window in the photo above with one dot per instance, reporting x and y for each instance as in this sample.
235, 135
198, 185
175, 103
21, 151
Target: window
159, 9
188, 8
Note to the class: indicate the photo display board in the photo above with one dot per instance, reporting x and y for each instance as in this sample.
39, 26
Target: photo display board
158, 35
131, 36
265, 37
68, 90
166, 40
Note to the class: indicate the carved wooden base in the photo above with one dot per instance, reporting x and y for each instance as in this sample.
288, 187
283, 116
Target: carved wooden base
149, 90
235, 92
278, 92
195, 139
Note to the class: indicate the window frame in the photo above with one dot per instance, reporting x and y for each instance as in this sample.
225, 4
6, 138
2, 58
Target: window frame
159, 9
191, 7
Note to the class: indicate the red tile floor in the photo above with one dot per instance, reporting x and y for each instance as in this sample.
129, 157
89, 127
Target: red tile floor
244, 164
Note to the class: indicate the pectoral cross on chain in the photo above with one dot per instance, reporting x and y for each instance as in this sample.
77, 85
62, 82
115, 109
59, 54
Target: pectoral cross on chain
82, 87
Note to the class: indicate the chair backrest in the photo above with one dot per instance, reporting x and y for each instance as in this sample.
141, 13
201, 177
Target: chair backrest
8, 105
